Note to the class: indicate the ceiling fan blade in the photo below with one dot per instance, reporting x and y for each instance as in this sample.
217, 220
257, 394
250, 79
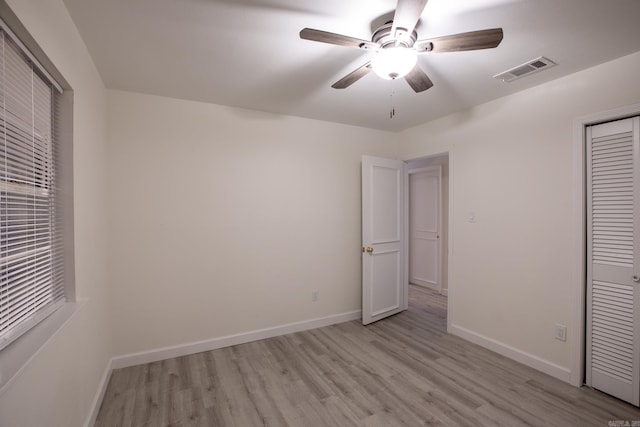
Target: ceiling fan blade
352, 77
406, 17
337, 39
418, 80
473, 40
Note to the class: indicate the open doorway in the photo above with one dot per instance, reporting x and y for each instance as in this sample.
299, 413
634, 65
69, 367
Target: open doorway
385, 237
428, 212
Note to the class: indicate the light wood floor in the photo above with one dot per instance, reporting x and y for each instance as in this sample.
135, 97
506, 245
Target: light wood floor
404, 370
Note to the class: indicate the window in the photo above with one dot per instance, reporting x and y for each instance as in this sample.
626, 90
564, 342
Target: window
32, 283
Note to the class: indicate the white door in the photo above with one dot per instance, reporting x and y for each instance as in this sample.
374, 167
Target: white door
424, 227
384, 287
613, 267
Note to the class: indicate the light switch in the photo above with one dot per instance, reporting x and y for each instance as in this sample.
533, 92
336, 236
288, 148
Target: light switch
560, 332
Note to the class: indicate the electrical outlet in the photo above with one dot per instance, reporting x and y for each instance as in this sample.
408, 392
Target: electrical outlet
314, 295
561, 332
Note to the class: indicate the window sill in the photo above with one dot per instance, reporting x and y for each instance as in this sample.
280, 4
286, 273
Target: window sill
17, 355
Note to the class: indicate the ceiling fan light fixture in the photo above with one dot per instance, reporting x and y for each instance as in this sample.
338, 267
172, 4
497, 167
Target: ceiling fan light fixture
394, 62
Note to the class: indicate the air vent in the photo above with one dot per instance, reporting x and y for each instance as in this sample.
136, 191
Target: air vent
525, 69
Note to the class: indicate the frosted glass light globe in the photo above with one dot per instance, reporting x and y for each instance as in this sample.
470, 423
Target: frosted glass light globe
394, 62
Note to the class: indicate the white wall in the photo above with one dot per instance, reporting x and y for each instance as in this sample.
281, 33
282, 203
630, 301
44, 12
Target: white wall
224, 220
57, 387
512, 164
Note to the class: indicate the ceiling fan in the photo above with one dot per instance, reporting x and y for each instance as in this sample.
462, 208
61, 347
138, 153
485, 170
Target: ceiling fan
396, 46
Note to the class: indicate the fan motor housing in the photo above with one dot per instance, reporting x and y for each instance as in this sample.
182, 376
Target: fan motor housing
384, 38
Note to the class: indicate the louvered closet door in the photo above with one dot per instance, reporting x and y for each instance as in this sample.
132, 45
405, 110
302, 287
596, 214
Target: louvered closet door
613, 270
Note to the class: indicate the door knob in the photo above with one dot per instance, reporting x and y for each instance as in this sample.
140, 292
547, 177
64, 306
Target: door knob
368, 250
636, 279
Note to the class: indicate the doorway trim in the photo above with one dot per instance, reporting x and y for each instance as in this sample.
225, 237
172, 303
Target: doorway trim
578, 342
450, 229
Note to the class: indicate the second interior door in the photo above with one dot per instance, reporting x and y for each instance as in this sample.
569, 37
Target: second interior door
424, 227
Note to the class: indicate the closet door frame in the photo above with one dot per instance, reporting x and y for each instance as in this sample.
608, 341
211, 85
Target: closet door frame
576, 338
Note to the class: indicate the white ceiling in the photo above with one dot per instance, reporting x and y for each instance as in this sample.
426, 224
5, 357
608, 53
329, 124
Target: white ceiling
247, 53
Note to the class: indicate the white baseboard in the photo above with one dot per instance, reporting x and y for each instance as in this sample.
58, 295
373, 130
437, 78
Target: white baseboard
518, 355
206, 345
229, 340
97, 400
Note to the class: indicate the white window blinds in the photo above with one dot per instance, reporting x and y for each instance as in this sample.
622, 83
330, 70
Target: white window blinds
31, 261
